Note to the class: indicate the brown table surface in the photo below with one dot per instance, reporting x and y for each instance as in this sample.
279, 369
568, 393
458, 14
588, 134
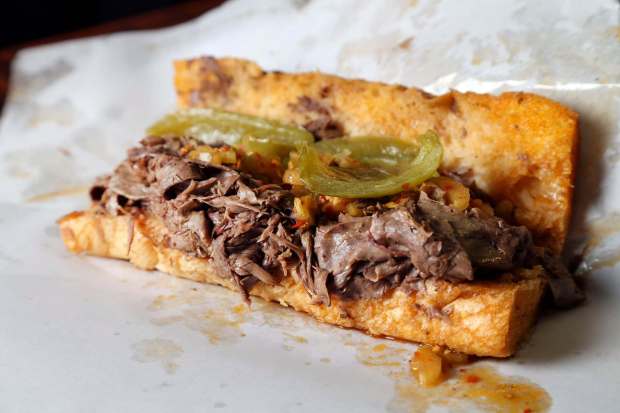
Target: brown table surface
151, 20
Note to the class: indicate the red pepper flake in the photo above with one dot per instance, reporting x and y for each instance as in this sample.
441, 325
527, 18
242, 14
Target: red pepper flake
528, 410
405, 187
299, 223
472, 378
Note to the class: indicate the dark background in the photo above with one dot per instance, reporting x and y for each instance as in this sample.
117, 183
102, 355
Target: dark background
27, 20
25, 23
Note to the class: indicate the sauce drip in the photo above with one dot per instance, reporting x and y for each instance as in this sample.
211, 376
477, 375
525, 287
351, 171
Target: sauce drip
478, 387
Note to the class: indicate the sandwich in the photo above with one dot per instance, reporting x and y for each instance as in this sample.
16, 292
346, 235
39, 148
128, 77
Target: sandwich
433, 219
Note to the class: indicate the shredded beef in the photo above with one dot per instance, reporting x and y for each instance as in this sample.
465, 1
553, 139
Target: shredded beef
489, 242
432, 253
246, 228
383, 249
210, 211
565, 291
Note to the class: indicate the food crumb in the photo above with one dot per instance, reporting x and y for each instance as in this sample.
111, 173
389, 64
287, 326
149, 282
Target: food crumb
406, 43
296, 339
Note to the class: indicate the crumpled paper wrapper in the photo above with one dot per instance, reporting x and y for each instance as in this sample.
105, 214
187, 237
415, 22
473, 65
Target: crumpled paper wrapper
78, 340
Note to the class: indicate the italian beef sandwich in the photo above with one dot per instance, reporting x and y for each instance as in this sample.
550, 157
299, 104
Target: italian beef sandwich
435, 219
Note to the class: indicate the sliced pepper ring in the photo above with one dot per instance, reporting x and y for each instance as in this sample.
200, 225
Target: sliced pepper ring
209, 125
381, 166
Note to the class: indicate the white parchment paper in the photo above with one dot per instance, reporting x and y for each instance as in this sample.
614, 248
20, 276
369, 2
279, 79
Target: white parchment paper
85, 334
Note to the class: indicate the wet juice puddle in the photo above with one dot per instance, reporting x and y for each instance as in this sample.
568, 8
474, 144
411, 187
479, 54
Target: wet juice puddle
480, 386
477, 387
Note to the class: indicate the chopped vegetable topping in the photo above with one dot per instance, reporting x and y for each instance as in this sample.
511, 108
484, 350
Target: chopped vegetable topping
426, 366
304, 210
453, 193
217, 156
431, 364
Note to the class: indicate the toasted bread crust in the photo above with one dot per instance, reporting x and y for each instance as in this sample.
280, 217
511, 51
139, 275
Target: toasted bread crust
519, 147
482, 318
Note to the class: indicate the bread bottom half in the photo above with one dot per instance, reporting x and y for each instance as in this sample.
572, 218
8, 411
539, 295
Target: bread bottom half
485, 318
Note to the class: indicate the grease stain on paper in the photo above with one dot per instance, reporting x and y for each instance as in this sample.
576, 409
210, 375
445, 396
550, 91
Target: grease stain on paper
158, 350
598, 232
600, 229
510, 51
376, 355
78, 190
406, 43
295, 339
61, 113
40, 167
478, 386
218, 315
608, 259
220, 323
25, 85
